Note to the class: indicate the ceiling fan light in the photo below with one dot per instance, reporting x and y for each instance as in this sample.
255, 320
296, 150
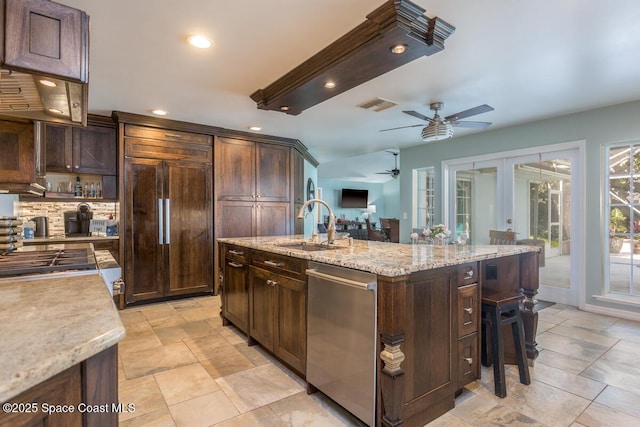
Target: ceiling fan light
437, 131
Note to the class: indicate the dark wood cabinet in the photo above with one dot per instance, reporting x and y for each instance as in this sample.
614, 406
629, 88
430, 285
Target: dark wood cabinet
277, 315
46, 37
17, 162
89, 150
235, 294
168, 229
93, 382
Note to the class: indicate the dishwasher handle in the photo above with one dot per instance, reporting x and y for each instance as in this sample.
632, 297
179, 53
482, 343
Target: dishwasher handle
342, 280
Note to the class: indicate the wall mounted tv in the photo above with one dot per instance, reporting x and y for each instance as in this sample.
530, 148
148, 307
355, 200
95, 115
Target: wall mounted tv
354, 198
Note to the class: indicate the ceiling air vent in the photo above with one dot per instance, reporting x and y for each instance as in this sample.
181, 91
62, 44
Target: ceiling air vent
377, 104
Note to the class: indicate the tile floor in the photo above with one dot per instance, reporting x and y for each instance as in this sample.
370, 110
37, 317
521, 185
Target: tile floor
181, 367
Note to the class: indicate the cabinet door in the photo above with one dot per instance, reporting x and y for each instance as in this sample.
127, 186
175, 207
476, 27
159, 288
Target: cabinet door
58, 142
94, 150
143, 234
236, 294
261, 306
235, 169
468, 305
17, 161
48, 37
273, 219
273, 173
235, 219
188, 227
290, 340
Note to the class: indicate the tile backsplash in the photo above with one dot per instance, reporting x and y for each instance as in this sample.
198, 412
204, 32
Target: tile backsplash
55, 212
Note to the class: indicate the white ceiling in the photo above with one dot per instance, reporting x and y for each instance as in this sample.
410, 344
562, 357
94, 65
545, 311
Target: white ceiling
529, 60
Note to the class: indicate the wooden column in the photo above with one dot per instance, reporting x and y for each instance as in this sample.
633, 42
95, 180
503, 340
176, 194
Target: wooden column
529, 280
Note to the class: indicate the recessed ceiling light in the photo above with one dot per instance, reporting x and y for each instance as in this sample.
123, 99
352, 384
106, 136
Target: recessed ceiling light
159, 112
330, 85
199, 41
399, 49
55, 111
48, 83
255, 128
284, 108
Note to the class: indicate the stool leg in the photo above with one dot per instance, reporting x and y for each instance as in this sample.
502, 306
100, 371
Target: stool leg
497, 351
521, 353
485, 349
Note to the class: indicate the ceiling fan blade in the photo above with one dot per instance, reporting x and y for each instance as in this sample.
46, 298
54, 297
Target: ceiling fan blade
401, 127
472, 125
419, 116
384, 173
484, 108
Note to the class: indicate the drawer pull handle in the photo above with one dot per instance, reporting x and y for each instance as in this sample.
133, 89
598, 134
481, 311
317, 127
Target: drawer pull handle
468, 360
274, 263
172, 135
469, 310
232, 252
236, 265
271, 282
468, 274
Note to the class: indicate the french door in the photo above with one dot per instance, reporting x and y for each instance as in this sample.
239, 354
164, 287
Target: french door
531, 192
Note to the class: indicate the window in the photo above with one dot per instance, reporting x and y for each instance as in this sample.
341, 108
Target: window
623, 219
463, 205
425, 193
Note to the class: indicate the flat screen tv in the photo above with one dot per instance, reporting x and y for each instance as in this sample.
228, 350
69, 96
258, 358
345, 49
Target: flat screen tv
354, 198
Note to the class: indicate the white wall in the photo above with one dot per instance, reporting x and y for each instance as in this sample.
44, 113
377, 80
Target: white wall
6, 204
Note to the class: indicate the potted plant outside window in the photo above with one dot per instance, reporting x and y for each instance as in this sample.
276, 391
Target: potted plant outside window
616, 224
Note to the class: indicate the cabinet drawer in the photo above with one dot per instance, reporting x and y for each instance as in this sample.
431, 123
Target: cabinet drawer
167, 135
236, 253
279, 263
468, 310
468, 368
467, 273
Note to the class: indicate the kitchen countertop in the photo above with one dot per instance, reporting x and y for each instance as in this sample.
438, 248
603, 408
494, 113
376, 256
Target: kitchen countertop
64, 239
45, 330
385, 259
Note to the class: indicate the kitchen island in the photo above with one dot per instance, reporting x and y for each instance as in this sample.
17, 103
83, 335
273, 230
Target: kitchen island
59, 335
428, 309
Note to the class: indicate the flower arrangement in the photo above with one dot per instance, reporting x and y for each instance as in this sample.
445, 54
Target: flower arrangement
438, 232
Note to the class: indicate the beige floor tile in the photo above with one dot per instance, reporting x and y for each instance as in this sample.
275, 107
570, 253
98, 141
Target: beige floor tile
197, 313
142, 392
233, 335
598, 415
163, 316
131, 315
620, 400
139, 341
472, 406
504, 415
257, 387
148, 362
260, 417
627, 331
215, 322
544, 326
206, 347
615, 374
576, 384
625, 352
226, 360
186, 303
210, 301
203, 411
571, 346
302, 409
566, 363
177, 333
184, 383
583, 334
160, 418
449, 420
256, 354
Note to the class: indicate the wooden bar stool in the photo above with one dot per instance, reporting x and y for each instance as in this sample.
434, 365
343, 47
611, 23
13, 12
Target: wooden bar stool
498, 309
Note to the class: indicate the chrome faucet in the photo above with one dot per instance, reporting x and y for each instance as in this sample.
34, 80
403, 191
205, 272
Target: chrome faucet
331, 229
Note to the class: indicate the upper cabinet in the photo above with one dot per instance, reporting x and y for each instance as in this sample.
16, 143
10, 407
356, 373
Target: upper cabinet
91, 150
17, 160
44, 40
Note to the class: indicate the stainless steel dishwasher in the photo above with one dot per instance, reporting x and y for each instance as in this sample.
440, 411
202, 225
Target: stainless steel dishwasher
341, 337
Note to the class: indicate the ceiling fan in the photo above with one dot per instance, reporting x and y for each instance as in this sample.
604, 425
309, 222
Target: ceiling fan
395, 171
439, 128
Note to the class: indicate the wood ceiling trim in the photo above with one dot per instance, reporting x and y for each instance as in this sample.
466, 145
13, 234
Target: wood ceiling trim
357, 57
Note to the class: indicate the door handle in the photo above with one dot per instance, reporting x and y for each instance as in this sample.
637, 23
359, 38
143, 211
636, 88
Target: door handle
167, 208
160, 223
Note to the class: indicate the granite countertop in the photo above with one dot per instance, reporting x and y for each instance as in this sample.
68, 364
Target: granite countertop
385, 259
49, 323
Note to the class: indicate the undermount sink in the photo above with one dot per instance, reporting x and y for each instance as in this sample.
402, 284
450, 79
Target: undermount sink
309, 247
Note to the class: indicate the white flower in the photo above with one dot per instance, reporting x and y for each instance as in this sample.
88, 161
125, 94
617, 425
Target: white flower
426, 232
414, 236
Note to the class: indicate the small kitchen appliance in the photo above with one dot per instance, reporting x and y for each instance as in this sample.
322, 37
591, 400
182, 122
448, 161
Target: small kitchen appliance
42, 226
76, 223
